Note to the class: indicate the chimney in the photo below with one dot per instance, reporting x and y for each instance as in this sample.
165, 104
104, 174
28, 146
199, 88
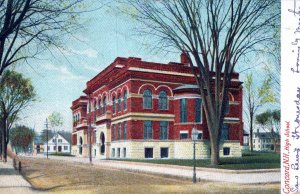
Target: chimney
184, 58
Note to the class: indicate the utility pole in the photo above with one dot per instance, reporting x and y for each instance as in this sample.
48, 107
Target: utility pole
47, 135
90, 130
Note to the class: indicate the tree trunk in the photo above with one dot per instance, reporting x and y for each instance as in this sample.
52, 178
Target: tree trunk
214, 143
251, 132
4, 146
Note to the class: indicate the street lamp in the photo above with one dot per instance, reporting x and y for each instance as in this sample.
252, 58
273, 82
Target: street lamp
194, 138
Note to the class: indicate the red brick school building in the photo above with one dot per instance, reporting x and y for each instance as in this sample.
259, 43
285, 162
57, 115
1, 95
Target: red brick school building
143, 110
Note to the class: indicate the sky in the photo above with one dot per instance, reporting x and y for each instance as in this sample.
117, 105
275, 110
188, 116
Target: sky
61, 77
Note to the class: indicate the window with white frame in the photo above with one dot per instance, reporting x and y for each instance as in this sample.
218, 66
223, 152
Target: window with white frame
183, 134
125, 100
163, 126
114, 104
163, 100
104, 104
119, 102
183, 110
147, 99
147, 129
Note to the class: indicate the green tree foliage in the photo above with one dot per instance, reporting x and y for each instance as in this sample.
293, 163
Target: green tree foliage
21, 137
269, 121
55, 120
16, 94
256, 97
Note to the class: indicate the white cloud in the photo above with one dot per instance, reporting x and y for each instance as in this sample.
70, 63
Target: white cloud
91, 67
90, 53
63, 72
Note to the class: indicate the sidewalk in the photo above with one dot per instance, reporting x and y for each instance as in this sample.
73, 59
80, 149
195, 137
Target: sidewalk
231, 176
11, 181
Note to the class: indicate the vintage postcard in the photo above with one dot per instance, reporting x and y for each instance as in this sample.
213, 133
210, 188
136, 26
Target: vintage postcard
135, 96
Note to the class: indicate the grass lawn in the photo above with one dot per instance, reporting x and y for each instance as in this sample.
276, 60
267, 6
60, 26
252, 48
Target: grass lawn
254, 160
52, 176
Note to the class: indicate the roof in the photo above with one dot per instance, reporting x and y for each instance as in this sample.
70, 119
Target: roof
186, 86
64, 135
266, 135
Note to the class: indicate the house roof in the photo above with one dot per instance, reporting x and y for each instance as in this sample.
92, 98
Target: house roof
266, 135
65, 136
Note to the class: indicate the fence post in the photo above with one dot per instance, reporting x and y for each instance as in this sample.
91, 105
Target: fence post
15, 164
20, 166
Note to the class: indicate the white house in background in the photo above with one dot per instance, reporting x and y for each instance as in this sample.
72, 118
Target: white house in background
57, 144
264, 141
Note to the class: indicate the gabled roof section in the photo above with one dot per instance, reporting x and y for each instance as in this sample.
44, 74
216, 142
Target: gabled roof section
64, 136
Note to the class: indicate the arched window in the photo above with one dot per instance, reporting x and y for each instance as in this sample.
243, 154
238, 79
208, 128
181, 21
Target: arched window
147, 99
119, 102
125, 100
99, 106
95, 104
104, 104
114, 104
163, 100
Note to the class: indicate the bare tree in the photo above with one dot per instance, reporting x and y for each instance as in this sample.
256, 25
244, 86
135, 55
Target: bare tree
215, 35
28, 27
256, 97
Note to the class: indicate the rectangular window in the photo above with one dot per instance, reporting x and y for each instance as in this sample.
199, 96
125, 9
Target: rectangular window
119, 130
164, 152
163, 125
54, 147
59, 140
198, 110
183, 110
118, 152
65, 147
147, 129
226, 151
148, 152
199, 135
124, 152
53, 140
125, 130
183, 135
224, 132
113, 152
